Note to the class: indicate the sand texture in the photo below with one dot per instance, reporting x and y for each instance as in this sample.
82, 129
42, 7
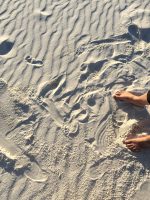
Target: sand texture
61, 130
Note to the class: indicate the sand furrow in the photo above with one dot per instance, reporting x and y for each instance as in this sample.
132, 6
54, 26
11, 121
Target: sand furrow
95, 16
102, 19
10, 24
24, 189
109, 13
4, 6
18, 187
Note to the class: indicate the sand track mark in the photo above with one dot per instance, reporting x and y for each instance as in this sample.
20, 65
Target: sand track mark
114, 169
5, 46
93, 79
14, 114
46, 94
52, 88
69, 129
25, 121
104, 131
14, 159
88, 69
61, 111
120, 39
33, 62
122, 48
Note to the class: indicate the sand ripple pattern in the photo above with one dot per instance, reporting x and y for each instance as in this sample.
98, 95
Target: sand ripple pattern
61, 130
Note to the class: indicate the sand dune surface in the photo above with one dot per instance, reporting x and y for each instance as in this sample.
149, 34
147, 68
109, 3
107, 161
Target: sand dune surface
61, 129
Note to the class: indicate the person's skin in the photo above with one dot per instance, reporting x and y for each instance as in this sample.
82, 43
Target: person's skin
131, 98
137, 143
134, 143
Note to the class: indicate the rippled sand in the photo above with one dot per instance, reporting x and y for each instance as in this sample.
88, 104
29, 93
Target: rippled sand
61, 130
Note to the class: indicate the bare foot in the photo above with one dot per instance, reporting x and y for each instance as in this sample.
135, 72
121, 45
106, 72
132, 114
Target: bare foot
136, 143
131, 98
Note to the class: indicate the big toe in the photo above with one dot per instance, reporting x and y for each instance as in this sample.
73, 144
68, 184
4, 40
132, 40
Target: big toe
127, 141
117, 93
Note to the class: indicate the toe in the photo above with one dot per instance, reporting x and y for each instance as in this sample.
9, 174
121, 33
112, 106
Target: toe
117, 93
128, 141
130, 145
133, 147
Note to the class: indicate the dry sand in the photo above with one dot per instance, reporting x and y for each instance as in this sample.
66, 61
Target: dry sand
61, 130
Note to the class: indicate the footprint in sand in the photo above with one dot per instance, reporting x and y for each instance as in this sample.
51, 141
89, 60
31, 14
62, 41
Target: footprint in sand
88, 70
14, 160
66, 117
32, 61
91, 101
5, 47
134, 31
122, 48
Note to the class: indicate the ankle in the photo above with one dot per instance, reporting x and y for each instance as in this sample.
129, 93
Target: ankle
143, 99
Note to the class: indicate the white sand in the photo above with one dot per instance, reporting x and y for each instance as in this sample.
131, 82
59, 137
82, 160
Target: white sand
61, 130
